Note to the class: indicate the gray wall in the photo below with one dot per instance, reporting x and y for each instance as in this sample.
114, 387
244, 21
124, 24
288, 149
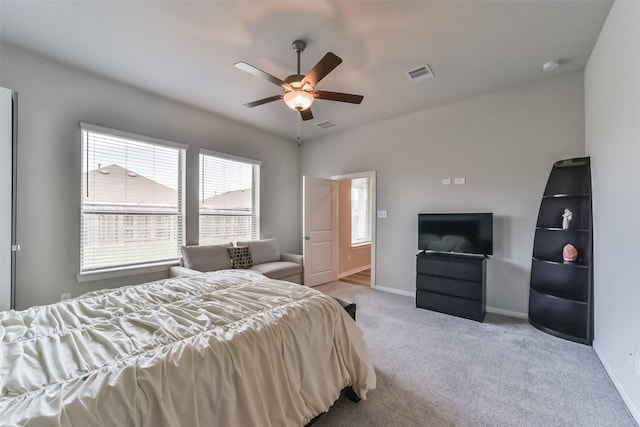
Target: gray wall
612, 108
503, 143
53, 100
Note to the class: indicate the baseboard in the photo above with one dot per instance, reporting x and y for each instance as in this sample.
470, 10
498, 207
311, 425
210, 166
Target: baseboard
394, 291
354, 271
633, 409
508, 313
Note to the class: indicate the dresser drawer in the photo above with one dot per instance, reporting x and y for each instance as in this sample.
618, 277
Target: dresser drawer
468, 269
448, 286
460, 307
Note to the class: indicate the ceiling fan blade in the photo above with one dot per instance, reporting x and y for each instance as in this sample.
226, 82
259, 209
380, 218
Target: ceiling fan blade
337, 96
306, 114
322, 68
263, 101
259, 73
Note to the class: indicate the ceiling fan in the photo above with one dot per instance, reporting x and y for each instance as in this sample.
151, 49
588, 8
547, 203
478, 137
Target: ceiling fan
299, 91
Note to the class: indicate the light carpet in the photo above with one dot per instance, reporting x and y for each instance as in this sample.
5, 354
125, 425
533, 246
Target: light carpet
439, 370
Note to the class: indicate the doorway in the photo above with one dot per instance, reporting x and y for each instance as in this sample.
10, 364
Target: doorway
356, 230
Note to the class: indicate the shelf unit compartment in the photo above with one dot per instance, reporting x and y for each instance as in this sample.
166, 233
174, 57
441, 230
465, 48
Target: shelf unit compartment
564, 317
567, 177
552, 208
561, 280
449, 286
461, 307
548, 245
448, 266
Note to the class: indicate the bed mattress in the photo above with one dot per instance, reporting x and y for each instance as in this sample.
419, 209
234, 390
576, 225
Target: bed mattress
228, 348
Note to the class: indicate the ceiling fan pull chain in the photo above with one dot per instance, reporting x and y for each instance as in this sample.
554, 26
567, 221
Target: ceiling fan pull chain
299, 124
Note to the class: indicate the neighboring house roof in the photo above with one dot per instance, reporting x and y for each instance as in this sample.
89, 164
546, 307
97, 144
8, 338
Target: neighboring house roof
117, 185
231, 200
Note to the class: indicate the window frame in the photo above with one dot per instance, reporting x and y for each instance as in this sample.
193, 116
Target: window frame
368, 213
255, 185
143, 267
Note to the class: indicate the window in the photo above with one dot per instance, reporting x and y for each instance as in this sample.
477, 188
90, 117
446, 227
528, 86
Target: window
229, 198
132, 200
360, 212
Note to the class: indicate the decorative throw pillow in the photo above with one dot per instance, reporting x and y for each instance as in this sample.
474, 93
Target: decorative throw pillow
240, 257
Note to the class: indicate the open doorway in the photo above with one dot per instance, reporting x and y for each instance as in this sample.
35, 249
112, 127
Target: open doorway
356, 231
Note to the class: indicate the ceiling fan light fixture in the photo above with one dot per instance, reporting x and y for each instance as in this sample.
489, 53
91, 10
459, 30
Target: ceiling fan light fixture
299, 90
298, 100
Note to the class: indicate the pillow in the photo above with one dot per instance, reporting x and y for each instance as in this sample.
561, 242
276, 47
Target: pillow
262, 251
206, 258
240, 257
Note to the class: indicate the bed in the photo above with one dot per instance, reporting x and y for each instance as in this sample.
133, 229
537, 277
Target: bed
226, 348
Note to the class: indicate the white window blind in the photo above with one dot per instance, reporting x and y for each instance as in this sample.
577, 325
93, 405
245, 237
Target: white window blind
229, 198
360, 211
132, 200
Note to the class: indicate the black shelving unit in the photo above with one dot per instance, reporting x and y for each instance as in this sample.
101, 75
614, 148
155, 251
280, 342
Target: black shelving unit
561, 293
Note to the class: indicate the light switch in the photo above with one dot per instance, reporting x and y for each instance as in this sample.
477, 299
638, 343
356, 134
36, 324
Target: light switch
459, 181
382, 214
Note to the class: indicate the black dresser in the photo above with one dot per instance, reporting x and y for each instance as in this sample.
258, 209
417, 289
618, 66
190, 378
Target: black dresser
451, 284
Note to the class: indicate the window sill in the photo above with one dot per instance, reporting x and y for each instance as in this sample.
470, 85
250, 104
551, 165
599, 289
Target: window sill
111, 273
360, 245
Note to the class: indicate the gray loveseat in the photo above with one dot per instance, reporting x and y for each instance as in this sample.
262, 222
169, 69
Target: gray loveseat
265, 259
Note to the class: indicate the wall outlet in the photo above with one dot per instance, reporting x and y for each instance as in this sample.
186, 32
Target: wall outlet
382, 214
65, 296
446, 181
459, 181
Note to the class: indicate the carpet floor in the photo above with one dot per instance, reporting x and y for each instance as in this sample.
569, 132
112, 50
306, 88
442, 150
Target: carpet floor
439, 370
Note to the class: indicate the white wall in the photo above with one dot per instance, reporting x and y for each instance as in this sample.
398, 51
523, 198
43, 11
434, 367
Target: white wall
503, 143
612, 113
53, 100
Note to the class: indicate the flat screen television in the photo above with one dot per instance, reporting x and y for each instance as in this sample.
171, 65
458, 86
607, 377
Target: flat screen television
468, 233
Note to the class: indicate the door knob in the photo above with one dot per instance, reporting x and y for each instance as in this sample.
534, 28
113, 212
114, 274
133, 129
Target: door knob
307, 238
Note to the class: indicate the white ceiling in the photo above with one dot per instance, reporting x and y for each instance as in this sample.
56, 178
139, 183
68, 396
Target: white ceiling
186, 50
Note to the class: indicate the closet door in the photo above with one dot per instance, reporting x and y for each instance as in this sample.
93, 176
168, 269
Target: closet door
8, 110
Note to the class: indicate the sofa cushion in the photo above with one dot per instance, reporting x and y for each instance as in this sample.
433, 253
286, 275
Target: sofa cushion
240, 257
206, 258
262, 251
278, 269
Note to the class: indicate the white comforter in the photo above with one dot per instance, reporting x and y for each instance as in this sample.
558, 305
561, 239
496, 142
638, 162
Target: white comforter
230, 348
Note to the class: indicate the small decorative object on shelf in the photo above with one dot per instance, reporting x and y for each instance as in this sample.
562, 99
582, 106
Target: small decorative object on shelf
567, 216
569, 253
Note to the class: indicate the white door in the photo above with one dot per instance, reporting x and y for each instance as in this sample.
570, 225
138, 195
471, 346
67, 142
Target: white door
320, 227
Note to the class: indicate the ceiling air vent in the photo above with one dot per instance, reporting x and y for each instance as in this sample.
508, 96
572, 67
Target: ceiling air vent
325, 124
420, 73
